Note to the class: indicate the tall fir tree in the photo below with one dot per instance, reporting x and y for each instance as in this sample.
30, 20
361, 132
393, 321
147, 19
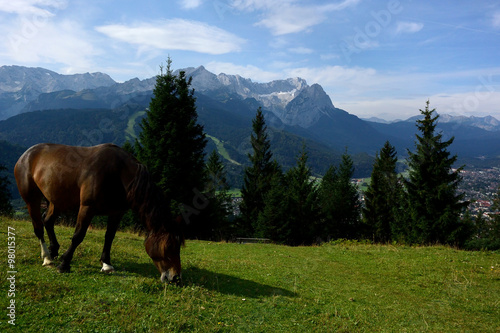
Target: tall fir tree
402, 225
257, 177
171, 143
434, 206
381, 197
275, 212
339, 202
299, 207
291, 212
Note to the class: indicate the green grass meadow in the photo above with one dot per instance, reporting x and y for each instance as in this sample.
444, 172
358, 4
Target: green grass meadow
228, 287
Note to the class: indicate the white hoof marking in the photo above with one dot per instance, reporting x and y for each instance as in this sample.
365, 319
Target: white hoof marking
107, 268
47, 262
47, 259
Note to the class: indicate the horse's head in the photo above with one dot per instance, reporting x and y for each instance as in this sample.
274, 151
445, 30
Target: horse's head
164, 248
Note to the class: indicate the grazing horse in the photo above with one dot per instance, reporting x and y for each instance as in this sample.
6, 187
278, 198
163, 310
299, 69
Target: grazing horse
100, 180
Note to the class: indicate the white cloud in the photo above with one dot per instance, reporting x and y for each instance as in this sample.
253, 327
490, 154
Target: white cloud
408, 27
190, 4
252, 5
301, 50
283, 17
340, 5
343, 79
329, 56
464, 104
248, 71
34, 42
496, 20
31, 7
291, 19
36, 34
176, 34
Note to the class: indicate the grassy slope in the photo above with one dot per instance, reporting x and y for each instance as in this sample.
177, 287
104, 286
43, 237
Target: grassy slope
130, 131
222, 150
254, 288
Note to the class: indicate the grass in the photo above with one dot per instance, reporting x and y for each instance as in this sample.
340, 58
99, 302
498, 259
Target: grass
336, 287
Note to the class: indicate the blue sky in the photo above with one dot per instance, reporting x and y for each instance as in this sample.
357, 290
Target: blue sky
373, 58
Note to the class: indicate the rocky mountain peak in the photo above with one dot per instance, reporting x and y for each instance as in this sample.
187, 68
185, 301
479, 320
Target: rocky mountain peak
310, 104
278, 96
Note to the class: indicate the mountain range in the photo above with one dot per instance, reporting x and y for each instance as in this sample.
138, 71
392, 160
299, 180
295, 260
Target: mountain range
40, 105
21, 85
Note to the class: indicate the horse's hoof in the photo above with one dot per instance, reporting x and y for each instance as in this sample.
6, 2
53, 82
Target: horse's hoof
107, 268
63, 269
47, 262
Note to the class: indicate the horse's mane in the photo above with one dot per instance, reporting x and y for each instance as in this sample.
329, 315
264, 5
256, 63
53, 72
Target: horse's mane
149, 201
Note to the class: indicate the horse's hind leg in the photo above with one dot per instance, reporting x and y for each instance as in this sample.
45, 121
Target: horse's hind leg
49, 221
36, 218
82, 224
113, 222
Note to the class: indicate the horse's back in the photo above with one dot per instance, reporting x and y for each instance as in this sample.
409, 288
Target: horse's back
69, 176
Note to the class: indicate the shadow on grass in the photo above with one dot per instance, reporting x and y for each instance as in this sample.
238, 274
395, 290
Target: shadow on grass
230, 285
222, 283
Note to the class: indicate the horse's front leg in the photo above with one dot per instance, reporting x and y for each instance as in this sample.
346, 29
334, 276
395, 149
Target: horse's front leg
113, 223
82, 224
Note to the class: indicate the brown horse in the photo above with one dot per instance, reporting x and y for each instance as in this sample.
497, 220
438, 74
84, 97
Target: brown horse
100, 180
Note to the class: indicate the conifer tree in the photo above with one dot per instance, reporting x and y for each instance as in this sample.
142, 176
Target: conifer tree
381, 197
220, 200
172, 143
339, 201
433, 202
274, 214
257, 177
301, 200
291, 213
401, 226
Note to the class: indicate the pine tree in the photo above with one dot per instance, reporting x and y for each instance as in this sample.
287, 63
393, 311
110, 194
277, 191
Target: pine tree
274, 214
302, 210
381, 197
220, 200
172, 143
433, 202
5, 205
257, 177
339, 201
291, 213
401, 226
